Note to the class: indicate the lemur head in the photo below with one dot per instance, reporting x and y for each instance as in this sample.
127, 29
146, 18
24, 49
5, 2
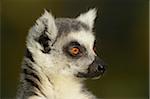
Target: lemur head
66, 45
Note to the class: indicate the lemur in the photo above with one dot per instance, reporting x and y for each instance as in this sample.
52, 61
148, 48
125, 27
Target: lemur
60, 55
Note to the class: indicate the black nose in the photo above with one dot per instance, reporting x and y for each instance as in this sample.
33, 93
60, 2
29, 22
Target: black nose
101, 68
95, 69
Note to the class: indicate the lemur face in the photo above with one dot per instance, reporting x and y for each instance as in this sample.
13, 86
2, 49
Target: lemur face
77, 51
66, 46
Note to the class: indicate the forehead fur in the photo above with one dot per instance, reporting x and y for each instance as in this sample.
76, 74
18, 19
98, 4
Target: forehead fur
66, 25
83, 37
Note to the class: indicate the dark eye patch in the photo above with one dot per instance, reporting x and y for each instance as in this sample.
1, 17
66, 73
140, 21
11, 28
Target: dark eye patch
74, 44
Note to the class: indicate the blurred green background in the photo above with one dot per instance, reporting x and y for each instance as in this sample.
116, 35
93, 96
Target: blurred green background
122, 41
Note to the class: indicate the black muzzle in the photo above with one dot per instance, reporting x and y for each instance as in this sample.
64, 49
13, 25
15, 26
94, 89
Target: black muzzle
95, 69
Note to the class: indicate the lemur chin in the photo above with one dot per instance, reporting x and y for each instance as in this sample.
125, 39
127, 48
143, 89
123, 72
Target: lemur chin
60, 54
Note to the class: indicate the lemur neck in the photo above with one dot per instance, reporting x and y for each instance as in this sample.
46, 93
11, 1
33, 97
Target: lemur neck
66, 87
65, 81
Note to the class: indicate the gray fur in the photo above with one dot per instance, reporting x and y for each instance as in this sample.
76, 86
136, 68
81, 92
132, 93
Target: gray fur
67, 25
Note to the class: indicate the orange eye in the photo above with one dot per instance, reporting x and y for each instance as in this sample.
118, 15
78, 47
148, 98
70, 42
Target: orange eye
94, 49
75, 51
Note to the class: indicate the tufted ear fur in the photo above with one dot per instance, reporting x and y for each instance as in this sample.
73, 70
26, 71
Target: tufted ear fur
88, 18
43, 33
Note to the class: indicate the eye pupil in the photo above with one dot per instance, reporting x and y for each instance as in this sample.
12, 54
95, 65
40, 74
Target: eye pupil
74, 51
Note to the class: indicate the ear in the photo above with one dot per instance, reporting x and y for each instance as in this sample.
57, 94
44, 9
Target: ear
44, 31
47, 23
88, 17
